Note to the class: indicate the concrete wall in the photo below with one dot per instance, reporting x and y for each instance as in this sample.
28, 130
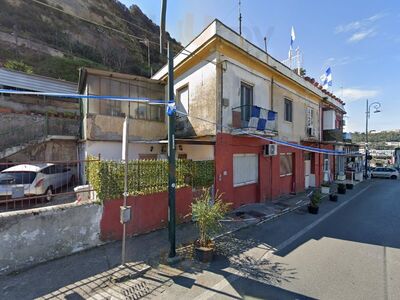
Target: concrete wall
201, 81
270, 184
53, 150
234, 74
294, 131
109, 128
150, 212
36, 235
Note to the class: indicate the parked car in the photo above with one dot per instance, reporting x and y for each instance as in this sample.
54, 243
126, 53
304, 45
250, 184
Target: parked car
386, 172
34, 180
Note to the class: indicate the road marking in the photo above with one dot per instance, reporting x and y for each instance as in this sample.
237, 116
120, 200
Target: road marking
236, 274
312, 225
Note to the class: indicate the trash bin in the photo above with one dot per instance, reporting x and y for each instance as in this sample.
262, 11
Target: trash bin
82, 193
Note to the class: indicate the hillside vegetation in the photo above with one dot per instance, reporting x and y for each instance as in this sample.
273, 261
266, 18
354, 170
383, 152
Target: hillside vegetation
67, 43
378, 139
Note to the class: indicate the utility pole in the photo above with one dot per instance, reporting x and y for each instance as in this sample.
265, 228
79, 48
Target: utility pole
162, 24
366, 142
171, 156
125, 211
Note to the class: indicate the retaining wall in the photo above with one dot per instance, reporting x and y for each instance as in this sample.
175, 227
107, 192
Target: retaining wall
36, 235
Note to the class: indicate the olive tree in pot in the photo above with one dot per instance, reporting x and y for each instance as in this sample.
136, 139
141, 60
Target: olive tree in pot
341, 188
207, 215
313, 207
333, 197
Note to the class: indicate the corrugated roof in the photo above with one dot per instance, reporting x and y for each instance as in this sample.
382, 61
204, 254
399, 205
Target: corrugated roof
35, 83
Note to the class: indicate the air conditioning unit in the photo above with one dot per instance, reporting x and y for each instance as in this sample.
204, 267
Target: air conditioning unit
270, 150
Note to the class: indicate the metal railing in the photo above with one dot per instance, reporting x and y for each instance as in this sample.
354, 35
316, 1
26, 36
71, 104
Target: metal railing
255, 118
40, 183
332, 135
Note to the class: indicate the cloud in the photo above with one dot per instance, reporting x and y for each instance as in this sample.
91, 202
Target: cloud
360, 29
361, 35
355, 94
341, 61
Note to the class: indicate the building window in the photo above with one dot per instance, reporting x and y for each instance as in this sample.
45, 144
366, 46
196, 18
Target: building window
310, 121
110, 108
246, 101
326, 163
183, 99
245, 169
288, 110
286, 164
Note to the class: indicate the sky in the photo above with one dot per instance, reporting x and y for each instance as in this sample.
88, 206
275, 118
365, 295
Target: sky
359, 40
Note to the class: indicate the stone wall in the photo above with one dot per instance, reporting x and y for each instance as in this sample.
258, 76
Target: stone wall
37, 235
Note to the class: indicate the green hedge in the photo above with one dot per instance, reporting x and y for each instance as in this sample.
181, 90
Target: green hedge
145, 176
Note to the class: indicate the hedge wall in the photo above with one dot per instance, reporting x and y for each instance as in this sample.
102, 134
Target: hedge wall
145, 176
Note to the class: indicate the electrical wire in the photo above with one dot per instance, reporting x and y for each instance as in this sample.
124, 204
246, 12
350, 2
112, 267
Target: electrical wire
169, 103
93, 22
271, 140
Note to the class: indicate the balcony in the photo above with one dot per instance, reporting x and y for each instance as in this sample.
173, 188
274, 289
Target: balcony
333, 135
251, 118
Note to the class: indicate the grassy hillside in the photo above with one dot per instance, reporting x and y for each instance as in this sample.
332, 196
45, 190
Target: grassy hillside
80, 43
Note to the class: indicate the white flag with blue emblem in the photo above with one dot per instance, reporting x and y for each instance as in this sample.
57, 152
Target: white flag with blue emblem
326, 79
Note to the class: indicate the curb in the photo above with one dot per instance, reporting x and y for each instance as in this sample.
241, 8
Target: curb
265, 219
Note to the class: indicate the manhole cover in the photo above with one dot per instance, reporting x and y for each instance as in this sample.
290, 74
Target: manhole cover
136, 291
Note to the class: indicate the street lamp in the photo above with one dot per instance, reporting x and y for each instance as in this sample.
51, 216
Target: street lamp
376, 106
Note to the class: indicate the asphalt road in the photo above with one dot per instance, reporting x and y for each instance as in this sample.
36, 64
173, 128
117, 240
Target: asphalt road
351, 250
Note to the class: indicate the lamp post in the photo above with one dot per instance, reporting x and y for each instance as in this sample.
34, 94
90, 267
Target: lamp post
376, 106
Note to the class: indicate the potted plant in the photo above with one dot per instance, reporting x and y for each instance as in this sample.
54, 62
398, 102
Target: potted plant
207, 215
313, 207
325, 188
333, 197
341, 188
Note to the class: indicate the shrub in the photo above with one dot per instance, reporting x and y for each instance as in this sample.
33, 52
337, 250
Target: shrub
18, 66
315, 198
208, 215
145, 176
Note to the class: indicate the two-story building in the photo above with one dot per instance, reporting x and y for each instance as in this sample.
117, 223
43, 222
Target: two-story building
102, 119
238, 96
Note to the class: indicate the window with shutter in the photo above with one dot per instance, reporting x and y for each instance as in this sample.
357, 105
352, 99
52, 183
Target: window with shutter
245, 169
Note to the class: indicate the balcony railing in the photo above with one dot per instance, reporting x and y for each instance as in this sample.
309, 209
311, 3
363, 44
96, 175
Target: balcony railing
333, 135
254, 118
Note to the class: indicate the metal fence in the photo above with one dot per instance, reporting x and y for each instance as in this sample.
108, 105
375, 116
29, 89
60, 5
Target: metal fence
26, 185
31, 184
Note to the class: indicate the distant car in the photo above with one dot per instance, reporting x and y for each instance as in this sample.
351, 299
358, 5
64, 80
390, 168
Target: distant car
34, 180
385, 172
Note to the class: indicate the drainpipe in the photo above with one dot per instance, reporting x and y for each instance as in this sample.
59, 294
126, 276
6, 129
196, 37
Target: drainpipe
272, 108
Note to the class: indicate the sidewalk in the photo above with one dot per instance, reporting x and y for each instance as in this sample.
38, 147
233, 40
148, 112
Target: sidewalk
96, 271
